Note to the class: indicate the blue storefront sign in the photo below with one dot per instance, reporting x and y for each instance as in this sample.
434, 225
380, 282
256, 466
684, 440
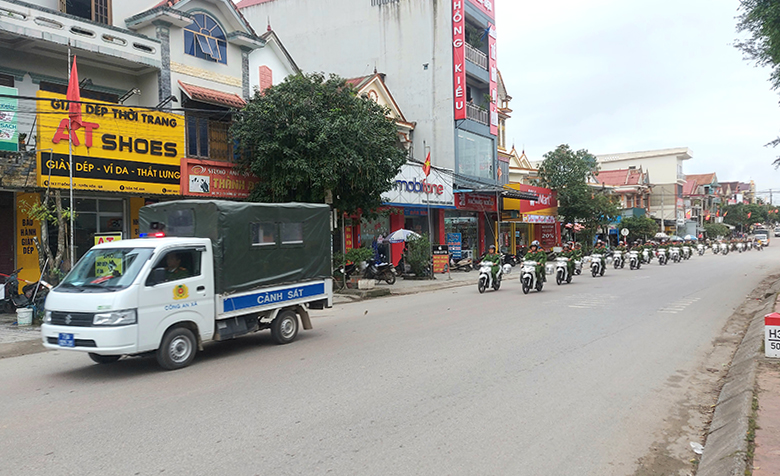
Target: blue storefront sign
454, 244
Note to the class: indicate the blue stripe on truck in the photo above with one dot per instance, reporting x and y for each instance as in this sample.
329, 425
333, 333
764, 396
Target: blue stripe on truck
272, 297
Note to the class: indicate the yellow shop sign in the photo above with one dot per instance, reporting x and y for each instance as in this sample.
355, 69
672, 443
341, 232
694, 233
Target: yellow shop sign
118, 149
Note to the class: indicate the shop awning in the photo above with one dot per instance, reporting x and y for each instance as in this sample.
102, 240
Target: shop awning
212, 96
504, 192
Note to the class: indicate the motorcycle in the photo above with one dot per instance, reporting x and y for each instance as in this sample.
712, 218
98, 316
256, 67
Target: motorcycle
485, 279
596, 268
700, 249
578, 266
528, 277
562, 270
674, 254
740, 247
716, 248
617, 259
759, 246
633, 260
463, 264
380, 272
646, 256
724, 247
686, 252
662, 259
32, 295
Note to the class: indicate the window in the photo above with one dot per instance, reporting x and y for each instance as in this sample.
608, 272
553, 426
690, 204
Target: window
181, 223
85, 93
208, 138
205, 39
263, 234
475, 155
96, 10
178, 264
292, 233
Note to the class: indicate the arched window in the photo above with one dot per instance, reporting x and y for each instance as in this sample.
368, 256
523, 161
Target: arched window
205, 39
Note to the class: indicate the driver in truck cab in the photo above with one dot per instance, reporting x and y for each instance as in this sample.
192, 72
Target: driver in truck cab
173, 268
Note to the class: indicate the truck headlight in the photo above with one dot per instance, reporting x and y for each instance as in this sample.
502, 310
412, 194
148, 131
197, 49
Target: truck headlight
47, 317
115, 318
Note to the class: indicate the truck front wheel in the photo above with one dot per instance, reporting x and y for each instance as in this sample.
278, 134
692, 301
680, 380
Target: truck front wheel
177, 349
285, 327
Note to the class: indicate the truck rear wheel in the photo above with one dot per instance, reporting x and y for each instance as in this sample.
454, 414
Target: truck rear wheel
284, 328
177, 349
104, 359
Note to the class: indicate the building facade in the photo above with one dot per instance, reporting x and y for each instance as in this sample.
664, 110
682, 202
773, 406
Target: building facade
665, 167
158, 82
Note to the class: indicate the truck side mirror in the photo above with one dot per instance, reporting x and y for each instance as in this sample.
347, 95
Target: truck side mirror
157, 277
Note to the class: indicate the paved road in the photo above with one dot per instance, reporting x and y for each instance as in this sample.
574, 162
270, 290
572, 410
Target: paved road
574, 380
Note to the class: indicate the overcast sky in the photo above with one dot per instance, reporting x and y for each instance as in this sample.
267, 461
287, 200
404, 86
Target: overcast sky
621, 76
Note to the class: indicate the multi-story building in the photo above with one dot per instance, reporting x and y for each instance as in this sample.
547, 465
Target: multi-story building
440, 62
665, 167
158, 82
701, 198
738, 192
631, 185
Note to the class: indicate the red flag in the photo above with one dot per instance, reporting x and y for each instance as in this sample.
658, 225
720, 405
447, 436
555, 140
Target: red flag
749, 213
74, 98
707, 216
717, 213
427, 165
725, 213
500, 173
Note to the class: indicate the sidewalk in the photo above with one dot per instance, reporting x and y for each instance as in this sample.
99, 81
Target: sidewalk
413, 286
15, 340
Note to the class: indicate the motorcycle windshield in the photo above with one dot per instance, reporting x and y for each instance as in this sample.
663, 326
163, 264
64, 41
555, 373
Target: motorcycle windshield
105, 270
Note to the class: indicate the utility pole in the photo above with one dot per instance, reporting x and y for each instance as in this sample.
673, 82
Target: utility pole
663, 225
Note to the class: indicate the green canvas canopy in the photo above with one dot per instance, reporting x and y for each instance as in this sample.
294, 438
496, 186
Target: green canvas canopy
255, 244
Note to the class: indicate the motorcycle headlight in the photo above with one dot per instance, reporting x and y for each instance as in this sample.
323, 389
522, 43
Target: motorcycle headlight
47, 317
115, 318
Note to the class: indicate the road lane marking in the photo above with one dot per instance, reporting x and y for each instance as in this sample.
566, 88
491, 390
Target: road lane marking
678, 306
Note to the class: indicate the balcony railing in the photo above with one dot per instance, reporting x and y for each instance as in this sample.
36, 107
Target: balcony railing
477, 57
41, 23
476, 113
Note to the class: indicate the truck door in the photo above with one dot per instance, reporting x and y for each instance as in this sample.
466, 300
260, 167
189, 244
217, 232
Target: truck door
186, 293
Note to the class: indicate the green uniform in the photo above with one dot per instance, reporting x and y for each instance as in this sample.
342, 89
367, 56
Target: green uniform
496, 260
541, 259
178, 273
570, 263
601, 251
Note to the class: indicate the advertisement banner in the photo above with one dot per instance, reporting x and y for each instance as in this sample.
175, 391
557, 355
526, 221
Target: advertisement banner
454, 244
9, 135
412, 188
459, 58
547, 236
476, 202
538, 218
441, 258
486, 6
208, 178
493, 69
547, 203
118, 149
27, 230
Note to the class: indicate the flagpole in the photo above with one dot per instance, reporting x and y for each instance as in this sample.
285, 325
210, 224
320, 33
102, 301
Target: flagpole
70, 173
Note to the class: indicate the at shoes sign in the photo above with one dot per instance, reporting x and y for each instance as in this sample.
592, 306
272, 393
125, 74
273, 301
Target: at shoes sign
118, 149
411, 187
459, 58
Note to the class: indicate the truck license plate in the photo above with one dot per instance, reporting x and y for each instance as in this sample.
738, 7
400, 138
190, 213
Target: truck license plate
66, 340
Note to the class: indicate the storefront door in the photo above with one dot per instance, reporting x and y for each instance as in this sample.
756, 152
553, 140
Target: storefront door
7, 234
97, 215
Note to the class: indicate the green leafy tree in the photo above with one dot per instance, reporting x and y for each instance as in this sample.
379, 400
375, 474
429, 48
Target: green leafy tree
310, 136
760, 19
715, 230
419, 255
737, 215
639, 227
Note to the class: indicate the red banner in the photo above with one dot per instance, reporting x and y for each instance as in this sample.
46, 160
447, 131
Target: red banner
547, 236
208, 178
547, 199
476, 202
493, 69
459, 59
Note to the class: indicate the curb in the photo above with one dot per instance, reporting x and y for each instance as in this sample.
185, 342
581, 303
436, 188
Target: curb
726, 446
24, 347
346, 298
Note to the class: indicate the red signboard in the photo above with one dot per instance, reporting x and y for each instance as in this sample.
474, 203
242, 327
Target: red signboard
459, 58
547, 236
486, 6
475, 202
348, 238
547, 199
208, 178
493, 68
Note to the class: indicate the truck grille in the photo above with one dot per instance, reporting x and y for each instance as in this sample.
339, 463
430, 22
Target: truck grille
76, 319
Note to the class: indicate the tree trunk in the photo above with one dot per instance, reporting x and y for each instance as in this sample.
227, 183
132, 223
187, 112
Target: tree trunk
63, 220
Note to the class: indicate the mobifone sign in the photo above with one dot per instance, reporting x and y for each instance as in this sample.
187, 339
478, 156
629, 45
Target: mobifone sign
118, 149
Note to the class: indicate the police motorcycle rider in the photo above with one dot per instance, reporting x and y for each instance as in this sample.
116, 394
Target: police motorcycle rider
494, 258
578, 255
569, 252
535, 253
601, 249
620, 262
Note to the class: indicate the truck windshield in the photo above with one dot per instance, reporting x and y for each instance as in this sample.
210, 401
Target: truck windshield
106, 270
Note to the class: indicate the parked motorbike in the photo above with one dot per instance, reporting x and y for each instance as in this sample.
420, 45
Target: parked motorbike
33, 294
662, 259
463, 264
596, 268
380, 272
633, 260
617, 259
486, 280
528, 277
562, 270
700, 249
